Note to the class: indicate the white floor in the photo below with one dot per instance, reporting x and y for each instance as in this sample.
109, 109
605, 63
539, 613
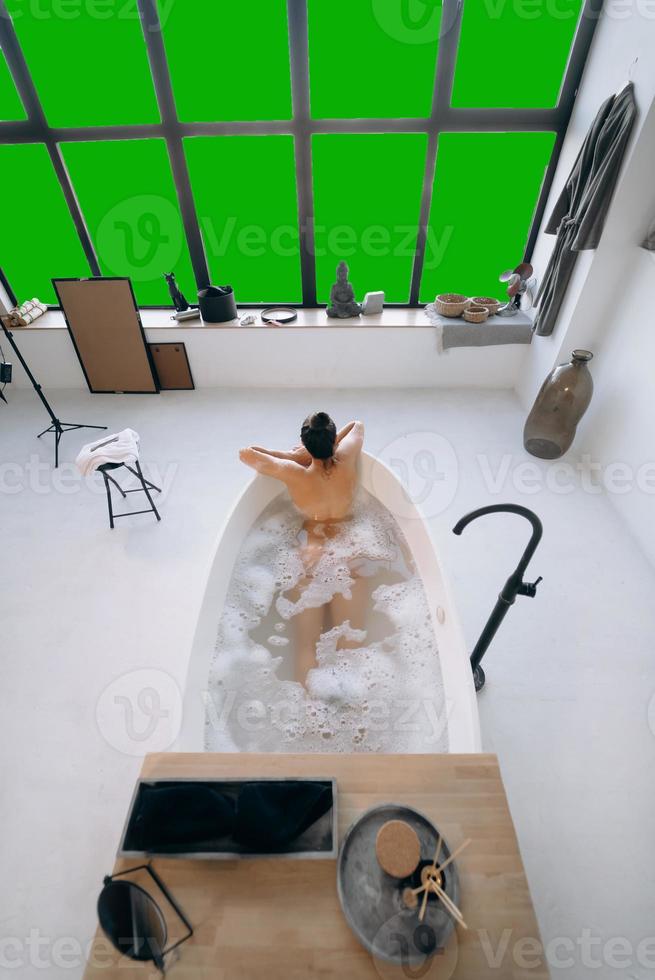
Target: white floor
570, 676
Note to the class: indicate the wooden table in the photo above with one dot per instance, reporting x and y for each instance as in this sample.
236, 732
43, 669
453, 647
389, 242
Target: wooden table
281, 919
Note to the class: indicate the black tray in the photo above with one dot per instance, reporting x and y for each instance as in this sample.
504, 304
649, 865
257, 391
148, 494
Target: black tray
320, 840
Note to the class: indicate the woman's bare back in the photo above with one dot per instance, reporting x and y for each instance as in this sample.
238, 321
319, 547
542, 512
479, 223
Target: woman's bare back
321, 490
324, 493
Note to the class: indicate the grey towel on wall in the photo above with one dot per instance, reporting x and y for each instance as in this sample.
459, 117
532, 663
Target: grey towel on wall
579, 214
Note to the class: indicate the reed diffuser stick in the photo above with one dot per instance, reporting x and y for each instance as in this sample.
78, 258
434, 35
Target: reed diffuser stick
455, 854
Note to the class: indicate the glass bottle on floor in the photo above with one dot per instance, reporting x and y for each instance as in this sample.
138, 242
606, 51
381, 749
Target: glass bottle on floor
562, 401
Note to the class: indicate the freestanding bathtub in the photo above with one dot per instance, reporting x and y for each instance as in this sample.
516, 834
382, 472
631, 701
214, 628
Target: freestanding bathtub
381, 482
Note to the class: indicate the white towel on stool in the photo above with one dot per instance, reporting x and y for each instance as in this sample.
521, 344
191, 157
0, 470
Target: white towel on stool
121, 447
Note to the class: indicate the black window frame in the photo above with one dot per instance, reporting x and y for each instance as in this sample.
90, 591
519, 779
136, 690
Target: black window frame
443, 118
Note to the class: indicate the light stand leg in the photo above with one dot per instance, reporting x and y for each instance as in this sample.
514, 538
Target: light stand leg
57, 427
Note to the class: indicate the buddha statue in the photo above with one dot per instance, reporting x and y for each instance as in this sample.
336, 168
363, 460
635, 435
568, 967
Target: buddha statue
342, 296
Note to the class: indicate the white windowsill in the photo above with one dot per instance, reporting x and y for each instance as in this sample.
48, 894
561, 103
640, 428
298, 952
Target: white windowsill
161, 320
307, 318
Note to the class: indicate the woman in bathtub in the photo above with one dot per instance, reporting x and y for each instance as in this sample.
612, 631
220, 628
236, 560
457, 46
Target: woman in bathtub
321, 477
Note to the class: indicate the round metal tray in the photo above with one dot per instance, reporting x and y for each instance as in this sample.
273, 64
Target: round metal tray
372, 900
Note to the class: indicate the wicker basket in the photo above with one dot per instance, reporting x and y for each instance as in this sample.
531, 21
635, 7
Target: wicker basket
474, 313
451, 304
493, 305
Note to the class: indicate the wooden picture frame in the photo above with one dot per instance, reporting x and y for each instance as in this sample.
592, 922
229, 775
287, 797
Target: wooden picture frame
105, 328
172, 367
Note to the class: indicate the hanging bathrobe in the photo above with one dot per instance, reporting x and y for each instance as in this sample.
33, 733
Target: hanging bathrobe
579, 214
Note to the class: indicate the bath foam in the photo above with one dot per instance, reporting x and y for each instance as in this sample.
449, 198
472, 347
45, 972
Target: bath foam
382, 692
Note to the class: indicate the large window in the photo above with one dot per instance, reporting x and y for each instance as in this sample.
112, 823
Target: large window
259, 142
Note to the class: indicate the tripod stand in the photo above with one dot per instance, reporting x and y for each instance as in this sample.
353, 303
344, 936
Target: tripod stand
56, 427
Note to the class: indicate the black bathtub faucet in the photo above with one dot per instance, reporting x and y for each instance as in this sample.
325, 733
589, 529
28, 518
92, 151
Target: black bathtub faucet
513, 586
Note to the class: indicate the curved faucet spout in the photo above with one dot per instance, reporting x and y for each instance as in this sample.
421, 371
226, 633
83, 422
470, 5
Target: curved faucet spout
537, 529
513, 586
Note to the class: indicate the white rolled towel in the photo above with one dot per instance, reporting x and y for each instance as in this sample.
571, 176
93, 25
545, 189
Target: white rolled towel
121, 447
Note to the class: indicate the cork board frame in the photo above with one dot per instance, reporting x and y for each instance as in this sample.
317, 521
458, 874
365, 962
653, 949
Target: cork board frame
105, 327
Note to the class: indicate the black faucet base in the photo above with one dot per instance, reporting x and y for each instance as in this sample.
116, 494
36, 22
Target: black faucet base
479, 678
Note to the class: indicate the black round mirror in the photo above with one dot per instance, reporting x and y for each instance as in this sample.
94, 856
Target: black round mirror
132, 921
279, 314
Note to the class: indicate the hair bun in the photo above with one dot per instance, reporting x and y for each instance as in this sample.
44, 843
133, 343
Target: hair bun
319, 420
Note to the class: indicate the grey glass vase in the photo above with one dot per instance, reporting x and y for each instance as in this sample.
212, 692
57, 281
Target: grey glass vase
562, 401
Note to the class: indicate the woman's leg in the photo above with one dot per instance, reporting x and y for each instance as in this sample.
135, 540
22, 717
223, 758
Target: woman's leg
355, 609
308, 626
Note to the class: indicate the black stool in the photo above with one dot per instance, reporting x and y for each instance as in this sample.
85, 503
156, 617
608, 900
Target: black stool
145, 487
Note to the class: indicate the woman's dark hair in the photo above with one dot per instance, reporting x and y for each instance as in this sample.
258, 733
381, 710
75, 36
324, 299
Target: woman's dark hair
318, 435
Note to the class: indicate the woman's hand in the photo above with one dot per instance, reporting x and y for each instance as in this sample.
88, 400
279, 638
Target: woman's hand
300, 455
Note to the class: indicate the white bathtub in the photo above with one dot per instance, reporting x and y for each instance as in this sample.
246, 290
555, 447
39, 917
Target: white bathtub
379, 480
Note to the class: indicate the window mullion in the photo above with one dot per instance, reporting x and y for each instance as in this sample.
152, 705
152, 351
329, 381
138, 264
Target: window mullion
451, 23
171, 131
299, 54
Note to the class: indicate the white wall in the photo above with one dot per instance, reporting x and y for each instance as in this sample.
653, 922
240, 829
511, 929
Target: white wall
324, 357
610, 305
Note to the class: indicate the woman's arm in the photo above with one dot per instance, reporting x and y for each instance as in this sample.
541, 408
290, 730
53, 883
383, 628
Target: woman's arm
297, 455
342, 433
270, 464
351, 439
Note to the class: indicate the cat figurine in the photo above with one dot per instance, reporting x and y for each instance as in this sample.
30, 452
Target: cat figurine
179, 302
